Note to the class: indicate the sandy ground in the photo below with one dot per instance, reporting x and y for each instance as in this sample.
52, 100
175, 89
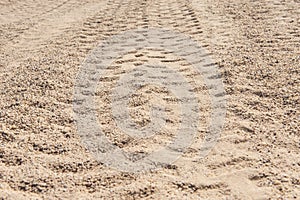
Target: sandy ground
256, 45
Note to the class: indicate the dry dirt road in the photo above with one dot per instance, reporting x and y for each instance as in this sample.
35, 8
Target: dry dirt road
256, 47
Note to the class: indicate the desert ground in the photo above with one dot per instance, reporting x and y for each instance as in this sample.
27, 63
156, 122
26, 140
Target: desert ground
256, 49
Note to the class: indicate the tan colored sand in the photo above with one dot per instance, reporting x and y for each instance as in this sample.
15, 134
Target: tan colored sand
257, 47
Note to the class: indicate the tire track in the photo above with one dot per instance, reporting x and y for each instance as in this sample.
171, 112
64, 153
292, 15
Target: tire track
24, 11
54, 26
165, 17
42, 155
29, 40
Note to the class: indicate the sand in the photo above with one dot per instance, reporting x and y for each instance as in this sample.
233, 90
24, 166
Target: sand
256, 49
